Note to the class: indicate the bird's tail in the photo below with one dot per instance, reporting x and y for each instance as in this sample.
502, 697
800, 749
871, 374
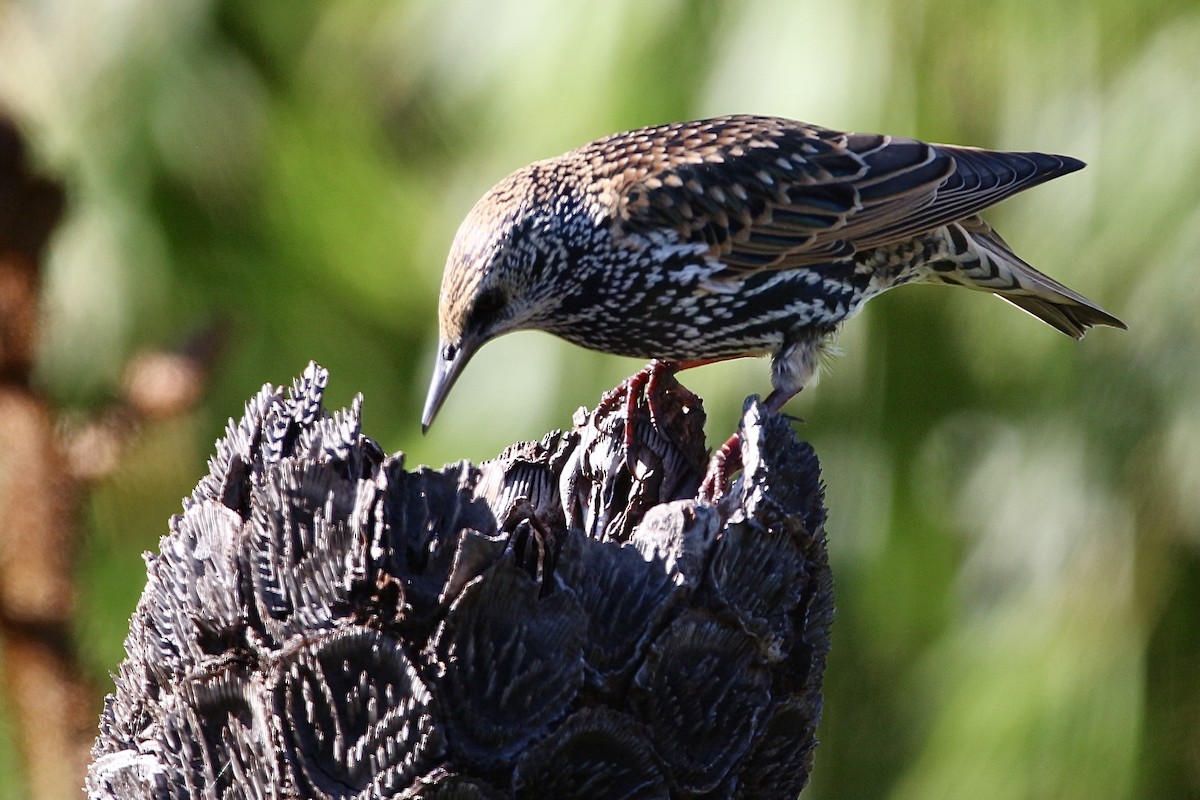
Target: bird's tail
987, 263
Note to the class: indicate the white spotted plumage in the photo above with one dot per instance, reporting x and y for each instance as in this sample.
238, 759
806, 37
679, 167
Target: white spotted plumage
734, 236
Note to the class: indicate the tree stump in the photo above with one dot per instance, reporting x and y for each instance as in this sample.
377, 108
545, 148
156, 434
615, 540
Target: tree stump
566, 620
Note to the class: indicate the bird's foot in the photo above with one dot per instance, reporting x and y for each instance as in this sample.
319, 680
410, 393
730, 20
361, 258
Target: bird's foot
643, 387
654, 372
649, 379
724, 463
727, 460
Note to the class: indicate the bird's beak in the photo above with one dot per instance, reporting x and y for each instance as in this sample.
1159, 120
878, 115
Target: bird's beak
445, 373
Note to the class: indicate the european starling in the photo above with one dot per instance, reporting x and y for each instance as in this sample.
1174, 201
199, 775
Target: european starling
736, 236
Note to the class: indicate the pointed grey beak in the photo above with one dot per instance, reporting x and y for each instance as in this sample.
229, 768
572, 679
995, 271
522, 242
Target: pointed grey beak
444, 375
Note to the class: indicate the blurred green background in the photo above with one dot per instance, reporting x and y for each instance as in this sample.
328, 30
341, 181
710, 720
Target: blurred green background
1014, 518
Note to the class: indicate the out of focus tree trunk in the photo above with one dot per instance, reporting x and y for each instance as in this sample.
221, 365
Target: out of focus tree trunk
50, 704
44, 472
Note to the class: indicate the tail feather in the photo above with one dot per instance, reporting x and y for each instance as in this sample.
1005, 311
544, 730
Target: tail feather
1070, 317
1005, 274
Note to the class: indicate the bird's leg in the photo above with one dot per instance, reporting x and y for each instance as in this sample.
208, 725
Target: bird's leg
725, 461
777, 399
644, 382
728, 457
655, 374
648, 380
627, 395
792, 368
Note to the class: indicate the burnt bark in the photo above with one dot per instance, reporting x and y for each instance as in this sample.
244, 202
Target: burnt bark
566, 620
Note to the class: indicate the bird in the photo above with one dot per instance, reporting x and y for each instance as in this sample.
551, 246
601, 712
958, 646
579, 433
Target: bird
694, 242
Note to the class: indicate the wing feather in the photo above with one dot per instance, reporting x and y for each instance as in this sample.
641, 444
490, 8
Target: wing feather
770, 193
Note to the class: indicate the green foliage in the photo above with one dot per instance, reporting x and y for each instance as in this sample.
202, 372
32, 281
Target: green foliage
1014, 517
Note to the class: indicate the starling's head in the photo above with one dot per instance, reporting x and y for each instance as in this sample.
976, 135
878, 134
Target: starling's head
496, 277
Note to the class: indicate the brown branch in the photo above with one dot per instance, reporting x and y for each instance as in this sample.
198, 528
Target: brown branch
50, 702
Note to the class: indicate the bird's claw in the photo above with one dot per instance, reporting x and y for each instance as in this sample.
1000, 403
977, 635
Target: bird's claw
724, 463
641, 387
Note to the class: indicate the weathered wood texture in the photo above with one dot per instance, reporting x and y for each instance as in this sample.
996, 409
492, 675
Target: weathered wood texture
566, 620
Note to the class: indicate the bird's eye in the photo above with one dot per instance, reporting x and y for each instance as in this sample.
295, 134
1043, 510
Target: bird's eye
449, 352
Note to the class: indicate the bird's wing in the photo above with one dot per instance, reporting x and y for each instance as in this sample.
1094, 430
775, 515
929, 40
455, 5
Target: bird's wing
769, 193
